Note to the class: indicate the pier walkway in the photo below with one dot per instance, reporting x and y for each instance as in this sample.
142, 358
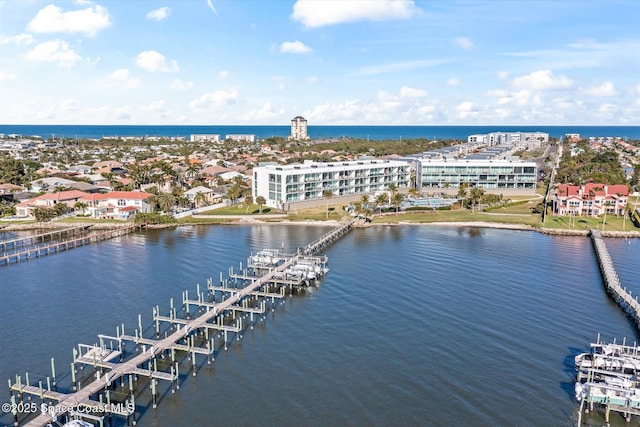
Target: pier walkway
36, 250
34, 239
190, 335
629, 304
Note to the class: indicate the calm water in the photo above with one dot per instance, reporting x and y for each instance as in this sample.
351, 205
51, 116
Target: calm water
412, 326
374, 133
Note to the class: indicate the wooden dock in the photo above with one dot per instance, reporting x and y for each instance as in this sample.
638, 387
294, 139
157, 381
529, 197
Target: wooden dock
38, 250
208, 322
624, 298
34, 239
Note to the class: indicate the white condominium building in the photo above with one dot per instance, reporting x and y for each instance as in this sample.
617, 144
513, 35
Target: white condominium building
293, 183
204, 137
499, 138
486, 174
299, 129
240, 137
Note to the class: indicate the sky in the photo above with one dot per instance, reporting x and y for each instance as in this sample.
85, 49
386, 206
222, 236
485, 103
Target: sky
335, 62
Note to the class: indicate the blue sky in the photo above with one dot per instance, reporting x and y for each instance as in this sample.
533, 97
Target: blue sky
360, 62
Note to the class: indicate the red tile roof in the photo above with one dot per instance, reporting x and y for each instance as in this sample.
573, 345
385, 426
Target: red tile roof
128, 195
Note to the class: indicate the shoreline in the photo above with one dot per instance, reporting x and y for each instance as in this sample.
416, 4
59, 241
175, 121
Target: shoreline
326, 223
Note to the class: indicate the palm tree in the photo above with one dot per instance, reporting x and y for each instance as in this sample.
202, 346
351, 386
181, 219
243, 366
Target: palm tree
397, 200
476, 195
260, 200
199, 199
381, 199
364, 199
166, 201
462, 192
414, 192
327, 194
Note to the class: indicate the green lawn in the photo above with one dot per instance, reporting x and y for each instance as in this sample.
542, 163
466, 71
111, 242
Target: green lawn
241, 209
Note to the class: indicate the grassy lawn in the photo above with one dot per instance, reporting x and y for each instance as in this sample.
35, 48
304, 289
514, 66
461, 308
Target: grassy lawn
241, 209
459, 215
519, 209
585, 223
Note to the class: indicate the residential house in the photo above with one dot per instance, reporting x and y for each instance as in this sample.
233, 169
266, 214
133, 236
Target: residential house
117, 204
49, 200
590, 200
210, 196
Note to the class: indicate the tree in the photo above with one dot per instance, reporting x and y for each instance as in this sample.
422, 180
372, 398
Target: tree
414, 192
381, 199
260, 200
80, 207
475, 194
364, 200
199, 199
166, 201
462, 192
397, 200
327, 194
43, 214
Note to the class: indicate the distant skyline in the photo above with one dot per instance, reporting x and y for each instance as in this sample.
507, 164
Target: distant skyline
349, 62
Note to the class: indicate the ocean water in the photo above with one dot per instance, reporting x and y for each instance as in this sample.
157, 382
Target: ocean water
413, 325
374, 133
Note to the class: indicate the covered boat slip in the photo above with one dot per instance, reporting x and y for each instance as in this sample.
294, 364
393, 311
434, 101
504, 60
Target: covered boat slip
608, 378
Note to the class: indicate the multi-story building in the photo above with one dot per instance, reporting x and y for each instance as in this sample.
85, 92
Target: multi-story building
241, 137
487, 174
204, 137
299, 129
590, 199
299, 184
498, 138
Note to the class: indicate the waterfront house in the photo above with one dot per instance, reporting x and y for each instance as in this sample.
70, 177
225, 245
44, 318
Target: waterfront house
590, 199
117, 204
69, 198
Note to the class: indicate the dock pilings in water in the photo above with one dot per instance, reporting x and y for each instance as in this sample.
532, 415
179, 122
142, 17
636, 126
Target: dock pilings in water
205, 324
624, 298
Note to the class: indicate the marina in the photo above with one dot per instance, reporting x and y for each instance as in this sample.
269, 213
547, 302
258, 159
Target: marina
213, 316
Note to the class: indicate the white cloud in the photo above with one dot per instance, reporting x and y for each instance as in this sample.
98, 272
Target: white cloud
213, 9
605, 89
466, 109
18, 40
312, 79
223, 74
53, 51
5, 76
400, 66
541, 80
607, 109
159, 14
409, 92
262, 114
210, 101
294, 47
497, 92
155, 107
313, 13
152, 60
122, 113
454, 81
122, 74
69, 104
463, 42
51, 19
178, 84
522, 98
